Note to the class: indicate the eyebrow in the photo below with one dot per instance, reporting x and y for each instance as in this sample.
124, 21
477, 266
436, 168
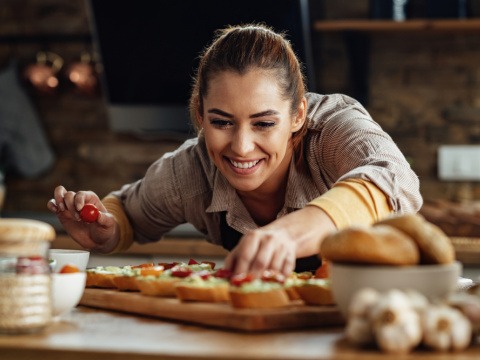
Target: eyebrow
230, 116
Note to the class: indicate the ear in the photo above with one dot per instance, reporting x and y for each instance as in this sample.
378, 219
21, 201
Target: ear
301, 116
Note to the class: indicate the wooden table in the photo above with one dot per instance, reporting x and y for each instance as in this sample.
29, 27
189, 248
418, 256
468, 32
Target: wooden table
88, 333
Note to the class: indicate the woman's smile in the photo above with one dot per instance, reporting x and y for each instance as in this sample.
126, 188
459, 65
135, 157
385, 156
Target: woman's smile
243, 167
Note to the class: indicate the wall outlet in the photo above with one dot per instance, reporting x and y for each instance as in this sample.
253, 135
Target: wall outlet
459, 162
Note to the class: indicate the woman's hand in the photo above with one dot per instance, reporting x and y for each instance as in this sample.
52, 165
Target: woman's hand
277, 245
100, 235
263, 249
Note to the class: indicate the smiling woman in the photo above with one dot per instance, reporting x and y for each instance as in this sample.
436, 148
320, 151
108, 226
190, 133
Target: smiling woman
272, 171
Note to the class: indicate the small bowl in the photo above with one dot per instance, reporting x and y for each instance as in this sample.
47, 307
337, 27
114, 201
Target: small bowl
67, 290
433, 281
62, 257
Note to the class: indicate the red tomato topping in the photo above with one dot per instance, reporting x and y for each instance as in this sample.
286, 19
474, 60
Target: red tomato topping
69, 268
89, 213
322, 272
192, 262
223, 274
238, 280
204, 274
181, 272
167, 266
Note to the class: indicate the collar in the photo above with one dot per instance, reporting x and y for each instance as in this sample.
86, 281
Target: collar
300, 191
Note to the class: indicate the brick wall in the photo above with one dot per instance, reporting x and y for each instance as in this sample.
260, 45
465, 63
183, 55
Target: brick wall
424, 89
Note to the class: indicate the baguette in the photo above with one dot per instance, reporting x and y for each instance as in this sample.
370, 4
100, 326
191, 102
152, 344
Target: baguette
315, 292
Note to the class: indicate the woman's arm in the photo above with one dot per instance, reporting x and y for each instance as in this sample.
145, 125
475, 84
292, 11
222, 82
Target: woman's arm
277, 245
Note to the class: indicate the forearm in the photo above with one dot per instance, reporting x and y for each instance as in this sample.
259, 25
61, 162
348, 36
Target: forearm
307, 227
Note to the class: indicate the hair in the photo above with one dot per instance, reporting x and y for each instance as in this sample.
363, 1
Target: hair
245, 47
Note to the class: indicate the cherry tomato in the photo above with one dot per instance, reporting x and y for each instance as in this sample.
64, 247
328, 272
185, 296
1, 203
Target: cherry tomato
192, 262
240, 279
89, 213
67, 269
322, 272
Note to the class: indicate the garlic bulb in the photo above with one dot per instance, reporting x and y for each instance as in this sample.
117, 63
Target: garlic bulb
446, 328
396, 325
358, 329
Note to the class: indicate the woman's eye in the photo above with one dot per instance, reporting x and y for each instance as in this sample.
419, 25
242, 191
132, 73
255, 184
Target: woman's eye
219, 123
265, 124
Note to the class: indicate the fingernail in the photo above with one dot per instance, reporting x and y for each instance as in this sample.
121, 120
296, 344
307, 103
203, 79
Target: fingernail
61, 206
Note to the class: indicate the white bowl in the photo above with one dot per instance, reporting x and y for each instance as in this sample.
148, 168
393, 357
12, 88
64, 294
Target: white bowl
67, 290
62, 257
433, 281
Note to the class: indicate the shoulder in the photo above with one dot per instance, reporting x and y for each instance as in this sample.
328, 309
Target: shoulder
323, 108
188, 168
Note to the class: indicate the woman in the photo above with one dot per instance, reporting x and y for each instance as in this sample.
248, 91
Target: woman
272, 171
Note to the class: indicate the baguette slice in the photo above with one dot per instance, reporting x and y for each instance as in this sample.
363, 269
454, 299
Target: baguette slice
202, 287
246, 291
316, 292
273, 298
163, 286
102, 276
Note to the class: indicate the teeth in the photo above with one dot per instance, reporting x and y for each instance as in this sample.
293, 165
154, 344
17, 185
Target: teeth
245, 165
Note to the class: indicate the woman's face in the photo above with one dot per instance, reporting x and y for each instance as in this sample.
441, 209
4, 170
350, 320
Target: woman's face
248, 129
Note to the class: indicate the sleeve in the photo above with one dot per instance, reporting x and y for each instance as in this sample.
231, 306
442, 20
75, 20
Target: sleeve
349, 144
354, 202
115, 207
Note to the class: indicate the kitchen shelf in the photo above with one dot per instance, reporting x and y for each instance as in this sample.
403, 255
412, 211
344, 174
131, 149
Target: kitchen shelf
397, 26
357, 34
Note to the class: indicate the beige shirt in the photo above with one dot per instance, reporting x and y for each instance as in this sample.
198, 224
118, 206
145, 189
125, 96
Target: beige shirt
343, 143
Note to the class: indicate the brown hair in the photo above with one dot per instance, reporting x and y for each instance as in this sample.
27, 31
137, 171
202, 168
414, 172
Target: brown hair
241, 48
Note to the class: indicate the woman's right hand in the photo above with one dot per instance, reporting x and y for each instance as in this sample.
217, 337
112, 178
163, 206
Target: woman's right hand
100, 235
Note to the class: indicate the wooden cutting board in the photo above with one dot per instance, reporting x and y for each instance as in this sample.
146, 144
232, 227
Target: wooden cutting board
220, 315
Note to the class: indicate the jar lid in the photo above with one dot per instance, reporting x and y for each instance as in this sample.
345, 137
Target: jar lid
25, 230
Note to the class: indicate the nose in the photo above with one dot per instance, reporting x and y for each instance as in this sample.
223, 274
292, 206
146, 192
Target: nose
243, 141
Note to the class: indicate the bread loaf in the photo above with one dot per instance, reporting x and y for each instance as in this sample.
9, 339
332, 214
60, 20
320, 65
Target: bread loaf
381, 244
434, 246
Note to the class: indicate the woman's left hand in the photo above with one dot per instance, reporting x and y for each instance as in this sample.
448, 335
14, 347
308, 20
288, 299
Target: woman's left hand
263, 249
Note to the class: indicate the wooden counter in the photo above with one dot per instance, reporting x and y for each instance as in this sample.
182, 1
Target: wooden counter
93, 334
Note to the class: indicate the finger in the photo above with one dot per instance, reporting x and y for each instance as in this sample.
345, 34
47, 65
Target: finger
278, 259
229, 262
79, 200
262, 259
58, 195
288, 264
52, 206
247, 248
105, 219
69, 201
